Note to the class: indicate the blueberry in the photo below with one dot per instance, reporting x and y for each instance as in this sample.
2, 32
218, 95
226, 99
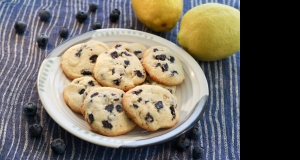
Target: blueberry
197, 152
58, 145
20, 26
42, 39
35, 130
93, 7
114, 15
30, 109
174, 158
81, 16
116, 11
182, 143
44, 14
195, 133
63, 32
96, 25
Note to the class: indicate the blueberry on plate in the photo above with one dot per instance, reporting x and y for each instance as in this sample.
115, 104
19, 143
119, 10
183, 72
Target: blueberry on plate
30, 109
58, 145
42, 39
96, 25
93, 7
182, 143
114, 15
20, 26
81, 16
63, 32
35, 130
44, 14
195, 133
197, 152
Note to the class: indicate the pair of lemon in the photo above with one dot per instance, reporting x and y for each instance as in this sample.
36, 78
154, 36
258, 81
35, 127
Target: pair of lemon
208, 31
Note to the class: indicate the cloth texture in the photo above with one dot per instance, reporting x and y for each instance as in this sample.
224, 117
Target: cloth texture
20, 60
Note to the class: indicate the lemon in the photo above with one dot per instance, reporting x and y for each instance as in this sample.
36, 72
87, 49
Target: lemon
210, 31
158, 15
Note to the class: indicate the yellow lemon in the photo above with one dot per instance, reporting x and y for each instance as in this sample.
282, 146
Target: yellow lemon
158, 15
210, 31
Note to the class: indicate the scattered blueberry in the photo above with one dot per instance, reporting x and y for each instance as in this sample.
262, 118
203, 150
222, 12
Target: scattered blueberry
174, 158
42, 39
35, 130
30, 109
58, 145
63, 32
20, 26
96, 25
114, 15
44, 14
195, 133
182, 143
93, 7
197, 152
81, 16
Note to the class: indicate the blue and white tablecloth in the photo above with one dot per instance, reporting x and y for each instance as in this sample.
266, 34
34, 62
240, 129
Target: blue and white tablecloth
20, 59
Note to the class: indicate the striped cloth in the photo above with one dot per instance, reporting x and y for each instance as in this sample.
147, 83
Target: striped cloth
20, 59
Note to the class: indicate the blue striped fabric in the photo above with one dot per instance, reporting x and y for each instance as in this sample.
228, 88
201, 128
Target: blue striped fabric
20, 59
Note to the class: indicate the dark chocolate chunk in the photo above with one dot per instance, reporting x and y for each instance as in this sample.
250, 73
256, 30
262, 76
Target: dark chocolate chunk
94, 94
173, 112
161, 57
86, 73
93, 58
149, 118
114, 54
139, 73
116, 99
155, 49
119, 108
158, 64
117, 81
117, 46
171, 59
91, 83
137, 92
78, 53
165, 67
140, 99
137, 52
91, 118
106, 124
127, 62
173, 72
81, 91
113, 71
109, 108
135, 106
126, 53
159, 105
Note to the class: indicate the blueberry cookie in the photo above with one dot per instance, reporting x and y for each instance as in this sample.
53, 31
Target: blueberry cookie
137, 48
79, 60
163, 66
151, 107
150, 81
75, 92
119, 69
104, 113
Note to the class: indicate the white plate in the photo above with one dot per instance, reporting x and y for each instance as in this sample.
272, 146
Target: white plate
192, 93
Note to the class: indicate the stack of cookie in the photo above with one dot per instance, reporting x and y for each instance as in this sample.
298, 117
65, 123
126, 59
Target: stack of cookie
121, 86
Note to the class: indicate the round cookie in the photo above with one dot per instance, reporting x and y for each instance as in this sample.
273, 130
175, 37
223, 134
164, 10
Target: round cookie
150, 81
163, 66
104, 113
119, 69
79, 60
137, 48
151, 107
75, 92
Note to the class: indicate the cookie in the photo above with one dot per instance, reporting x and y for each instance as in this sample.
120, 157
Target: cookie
119, 69
75, 92
104, 113
137, 48
151, 107
163, 66
79, 60
150, 81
